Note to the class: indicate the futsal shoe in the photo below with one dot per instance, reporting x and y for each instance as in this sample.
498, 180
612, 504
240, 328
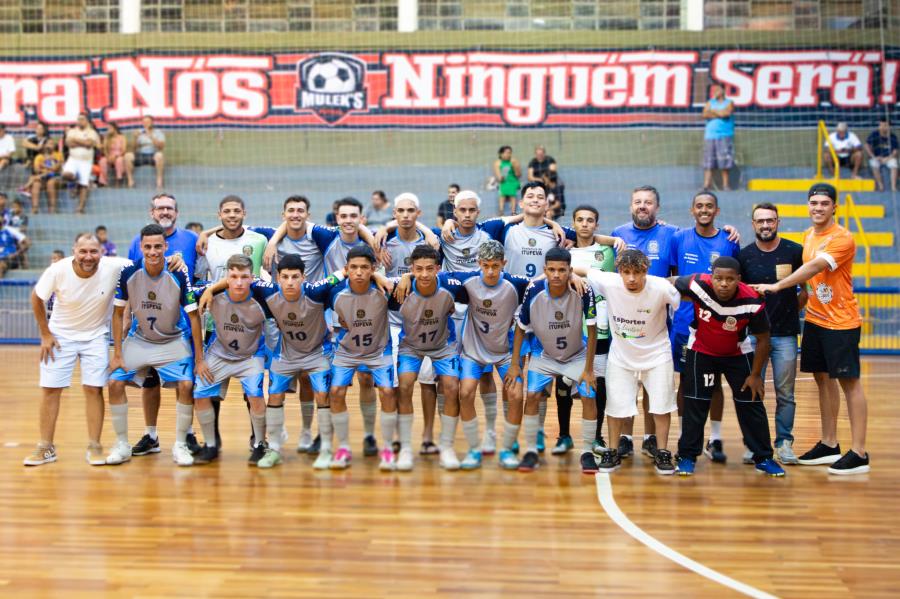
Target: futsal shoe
316, 445
42, 454
529, 462
851, 463
649, 447
181, 455
271, 459
588, 463
323, 461
370, 446
257, 454
405, 460
121, 453
663, 462
626, 447
563, 445
770, 467
610, 461
428, 448
341, 459
387, 460
193, 445
207, 455
515, 447
305, 442
715, 451
748, 456
785, 453
685, 467
541, 441
821, 455
472, 461
507, 459
489, 444
448, 460
145, 446
598, 447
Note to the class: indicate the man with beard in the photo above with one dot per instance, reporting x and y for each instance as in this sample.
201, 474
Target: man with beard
768, 260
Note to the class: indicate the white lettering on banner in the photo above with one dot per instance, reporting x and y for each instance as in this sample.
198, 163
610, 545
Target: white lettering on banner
55, 89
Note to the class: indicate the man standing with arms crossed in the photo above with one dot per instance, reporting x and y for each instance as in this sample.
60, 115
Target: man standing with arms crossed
830, 346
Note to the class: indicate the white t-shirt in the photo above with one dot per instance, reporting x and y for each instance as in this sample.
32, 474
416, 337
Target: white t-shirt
219, 250
843, 147
637, 321
7, 145
81, 152
82, 308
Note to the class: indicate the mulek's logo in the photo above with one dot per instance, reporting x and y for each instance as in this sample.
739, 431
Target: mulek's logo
331, 85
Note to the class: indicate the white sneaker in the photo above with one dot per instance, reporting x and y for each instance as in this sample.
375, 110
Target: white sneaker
121, 453
785, 453
94, 455
489, 444
305, 442
748, 456
448, 460
323, 462
181, 455
405, 460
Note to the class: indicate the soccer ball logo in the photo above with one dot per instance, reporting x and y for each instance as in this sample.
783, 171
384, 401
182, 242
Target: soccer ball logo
331, 75
331, 85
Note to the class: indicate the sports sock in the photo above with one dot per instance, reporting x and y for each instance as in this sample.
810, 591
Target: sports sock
532, 424
490, 410
325, 427
388, 428
274, 424
448, 430
184, 415
440, 403
542, 412
588, 434
715, 430
505, 409
369, 409
119, 413
405, 424
510, 432
563, 407
258, 421
307, 409
151, 430
341, 422
470, 430
207, 420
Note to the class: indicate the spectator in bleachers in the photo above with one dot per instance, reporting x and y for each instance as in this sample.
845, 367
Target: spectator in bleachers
82, 140
331, 217
195, 227
556, 194
12, 244
848, 148
718, 137
540, 165
56, 256
445, 210
34, 143
115, 145
7, 147
47, 166
378, 212
882, 148
107, 246
507, 171
17, 217
149, 144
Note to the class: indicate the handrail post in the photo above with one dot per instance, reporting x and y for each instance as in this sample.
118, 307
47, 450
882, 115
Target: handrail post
822, 133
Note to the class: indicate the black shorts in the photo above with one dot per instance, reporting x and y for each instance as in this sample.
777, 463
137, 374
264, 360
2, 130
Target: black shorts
701, 372
830, 350
152, 379
844, 161
144, 159
602, 347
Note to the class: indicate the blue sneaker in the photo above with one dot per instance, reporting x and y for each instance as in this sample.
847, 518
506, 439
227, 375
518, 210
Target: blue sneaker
770, 468
508, 460
685, 467
515, 449
472, 461
540, 442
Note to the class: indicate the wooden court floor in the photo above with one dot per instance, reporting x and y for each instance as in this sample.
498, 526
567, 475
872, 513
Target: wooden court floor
150, 529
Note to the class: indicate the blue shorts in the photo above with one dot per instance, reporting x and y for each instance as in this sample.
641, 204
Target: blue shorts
342, 376
538, 382
442, 367
180, 370
252, 386
281, 383
679, 350
470, 369
526, 344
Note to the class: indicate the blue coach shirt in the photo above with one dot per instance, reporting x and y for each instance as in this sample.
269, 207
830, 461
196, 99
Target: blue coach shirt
654, 242
181, 241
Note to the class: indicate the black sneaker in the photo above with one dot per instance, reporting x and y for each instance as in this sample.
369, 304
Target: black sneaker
588, 463
649, 446
256, 455
663, 461
146, 445
851, 463
610, 461
626, 447
821, 454
529, 462
193, 446
370, 446
316, 446
715, 451
206, 455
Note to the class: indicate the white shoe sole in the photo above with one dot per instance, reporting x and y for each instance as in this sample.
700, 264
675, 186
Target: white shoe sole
664, 472
849, 471
824, 461
451, 467
787, 462
608, 470
404, 467
386, 467
338, 466
38, 462
322, 466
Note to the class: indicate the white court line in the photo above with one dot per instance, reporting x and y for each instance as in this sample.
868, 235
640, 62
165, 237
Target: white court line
605, 495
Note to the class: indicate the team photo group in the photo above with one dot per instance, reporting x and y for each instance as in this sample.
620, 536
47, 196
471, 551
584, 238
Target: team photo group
651, 318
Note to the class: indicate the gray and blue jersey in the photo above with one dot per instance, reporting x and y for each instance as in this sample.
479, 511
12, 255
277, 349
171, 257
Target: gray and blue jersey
492, 310
525, 246
427, 327
461, 254
159, 304
239, 327
364, 337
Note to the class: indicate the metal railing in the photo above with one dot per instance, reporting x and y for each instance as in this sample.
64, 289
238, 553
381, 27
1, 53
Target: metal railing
822, 139
851, 211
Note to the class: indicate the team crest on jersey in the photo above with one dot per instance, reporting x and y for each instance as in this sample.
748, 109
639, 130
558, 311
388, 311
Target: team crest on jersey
429, 313
466, 252
247, 250
234, 318
730, 324
331, 85
360, 313
558, 315
824, 293
407, 261
653, 247
532, 242
151, 296
713, 256
598, 256
487, 303
292, 316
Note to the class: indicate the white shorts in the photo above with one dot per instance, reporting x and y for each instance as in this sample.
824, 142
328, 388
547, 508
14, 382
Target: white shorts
94, 356
81, 169
600, 365
426, 373
622, 389
875, 164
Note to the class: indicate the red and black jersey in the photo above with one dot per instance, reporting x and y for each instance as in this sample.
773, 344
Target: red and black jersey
721, 328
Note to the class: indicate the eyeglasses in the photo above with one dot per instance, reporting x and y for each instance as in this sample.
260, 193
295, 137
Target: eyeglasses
765, 221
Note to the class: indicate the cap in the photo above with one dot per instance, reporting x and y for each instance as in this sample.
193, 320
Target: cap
407, 196
823, 189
